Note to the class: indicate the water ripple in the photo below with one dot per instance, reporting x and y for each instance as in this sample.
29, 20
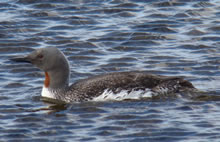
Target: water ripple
177, 37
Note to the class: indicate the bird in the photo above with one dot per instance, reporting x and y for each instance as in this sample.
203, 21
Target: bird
104, 86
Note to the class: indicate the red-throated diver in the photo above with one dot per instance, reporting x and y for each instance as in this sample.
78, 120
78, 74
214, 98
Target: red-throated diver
56, 85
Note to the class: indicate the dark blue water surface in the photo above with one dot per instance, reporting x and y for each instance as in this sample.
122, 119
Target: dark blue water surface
174, 38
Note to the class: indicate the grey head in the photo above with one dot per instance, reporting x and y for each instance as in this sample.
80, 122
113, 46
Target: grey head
52, 61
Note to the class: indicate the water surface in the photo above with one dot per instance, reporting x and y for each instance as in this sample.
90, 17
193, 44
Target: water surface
173, 38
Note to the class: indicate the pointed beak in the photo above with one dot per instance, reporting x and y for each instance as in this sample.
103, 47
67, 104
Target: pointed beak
24, 59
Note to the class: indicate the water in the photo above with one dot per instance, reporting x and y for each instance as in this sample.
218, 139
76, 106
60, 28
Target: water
174, 38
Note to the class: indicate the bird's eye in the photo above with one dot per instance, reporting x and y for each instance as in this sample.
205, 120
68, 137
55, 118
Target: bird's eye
40, 56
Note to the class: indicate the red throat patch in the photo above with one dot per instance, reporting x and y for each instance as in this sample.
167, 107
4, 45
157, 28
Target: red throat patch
47, 80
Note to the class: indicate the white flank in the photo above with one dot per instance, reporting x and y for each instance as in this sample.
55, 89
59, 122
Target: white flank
46, 93
123, 95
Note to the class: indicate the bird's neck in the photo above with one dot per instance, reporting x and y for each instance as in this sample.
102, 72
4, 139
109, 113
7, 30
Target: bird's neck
57, 79
55, 84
